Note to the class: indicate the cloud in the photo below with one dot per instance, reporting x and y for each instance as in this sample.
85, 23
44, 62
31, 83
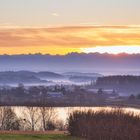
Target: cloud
70, 37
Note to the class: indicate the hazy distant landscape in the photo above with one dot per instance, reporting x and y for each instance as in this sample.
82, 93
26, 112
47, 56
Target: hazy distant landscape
107, 64
68, 80
21, 88
13, 78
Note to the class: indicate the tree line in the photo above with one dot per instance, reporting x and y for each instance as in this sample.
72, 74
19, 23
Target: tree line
124, 84
30, 119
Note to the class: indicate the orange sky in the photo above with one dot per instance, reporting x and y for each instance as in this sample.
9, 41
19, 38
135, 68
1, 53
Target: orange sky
62, 40
62, 26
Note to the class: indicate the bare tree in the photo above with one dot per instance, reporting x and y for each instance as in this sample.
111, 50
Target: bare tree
32, 117
48, 115
61, 125
2, 117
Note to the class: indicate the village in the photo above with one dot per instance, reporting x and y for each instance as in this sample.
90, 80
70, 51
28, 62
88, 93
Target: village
57, 95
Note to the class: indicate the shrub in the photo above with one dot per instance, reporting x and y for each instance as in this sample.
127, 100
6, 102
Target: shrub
104, 125
51, 126
8, 119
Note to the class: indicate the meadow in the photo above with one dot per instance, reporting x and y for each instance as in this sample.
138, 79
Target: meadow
37, 137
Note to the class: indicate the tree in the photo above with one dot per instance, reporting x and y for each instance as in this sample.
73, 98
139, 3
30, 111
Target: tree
100, 91
138, 96
31, 117
8, 119
51, 126
48, 115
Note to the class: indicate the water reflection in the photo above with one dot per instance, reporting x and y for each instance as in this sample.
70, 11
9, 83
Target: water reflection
63, 112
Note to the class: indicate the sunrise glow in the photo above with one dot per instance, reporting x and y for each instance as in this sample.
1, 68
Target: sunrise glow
67, 39
113, 49
62, 27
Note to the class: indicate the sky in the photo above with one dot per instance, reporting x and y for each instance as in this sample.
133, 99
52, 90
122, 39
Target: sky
65, 26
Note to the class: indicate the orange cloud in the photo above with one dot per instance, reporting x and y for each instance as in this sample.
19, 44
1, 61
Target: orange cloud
66, 38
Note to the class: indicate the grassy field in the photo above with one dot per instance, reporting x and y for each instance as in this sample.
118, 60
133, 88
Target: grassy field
37, 137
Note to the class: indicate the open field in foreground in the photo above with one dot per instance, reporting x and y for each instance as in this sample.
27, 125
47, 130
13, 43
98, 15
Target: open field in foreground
36, 137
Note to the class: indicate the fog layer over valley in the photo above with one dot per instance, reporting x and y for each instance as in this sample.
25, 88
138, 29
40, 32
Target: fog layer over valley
13, 78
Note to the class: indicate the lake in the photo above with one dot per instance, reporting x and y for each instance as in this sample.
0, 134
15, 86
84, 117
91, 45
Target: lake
62, 113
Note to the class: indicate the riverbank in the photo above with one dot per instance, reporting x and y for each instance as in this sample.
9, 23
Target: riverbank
123, 105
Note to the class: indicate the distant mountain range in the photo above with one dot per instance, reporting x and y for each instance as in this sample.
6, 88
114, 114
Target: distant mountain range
93, 62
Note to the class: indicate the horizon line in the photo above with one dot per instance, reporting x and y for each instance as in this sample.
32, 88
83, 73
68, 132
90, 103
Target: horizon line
105, 53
